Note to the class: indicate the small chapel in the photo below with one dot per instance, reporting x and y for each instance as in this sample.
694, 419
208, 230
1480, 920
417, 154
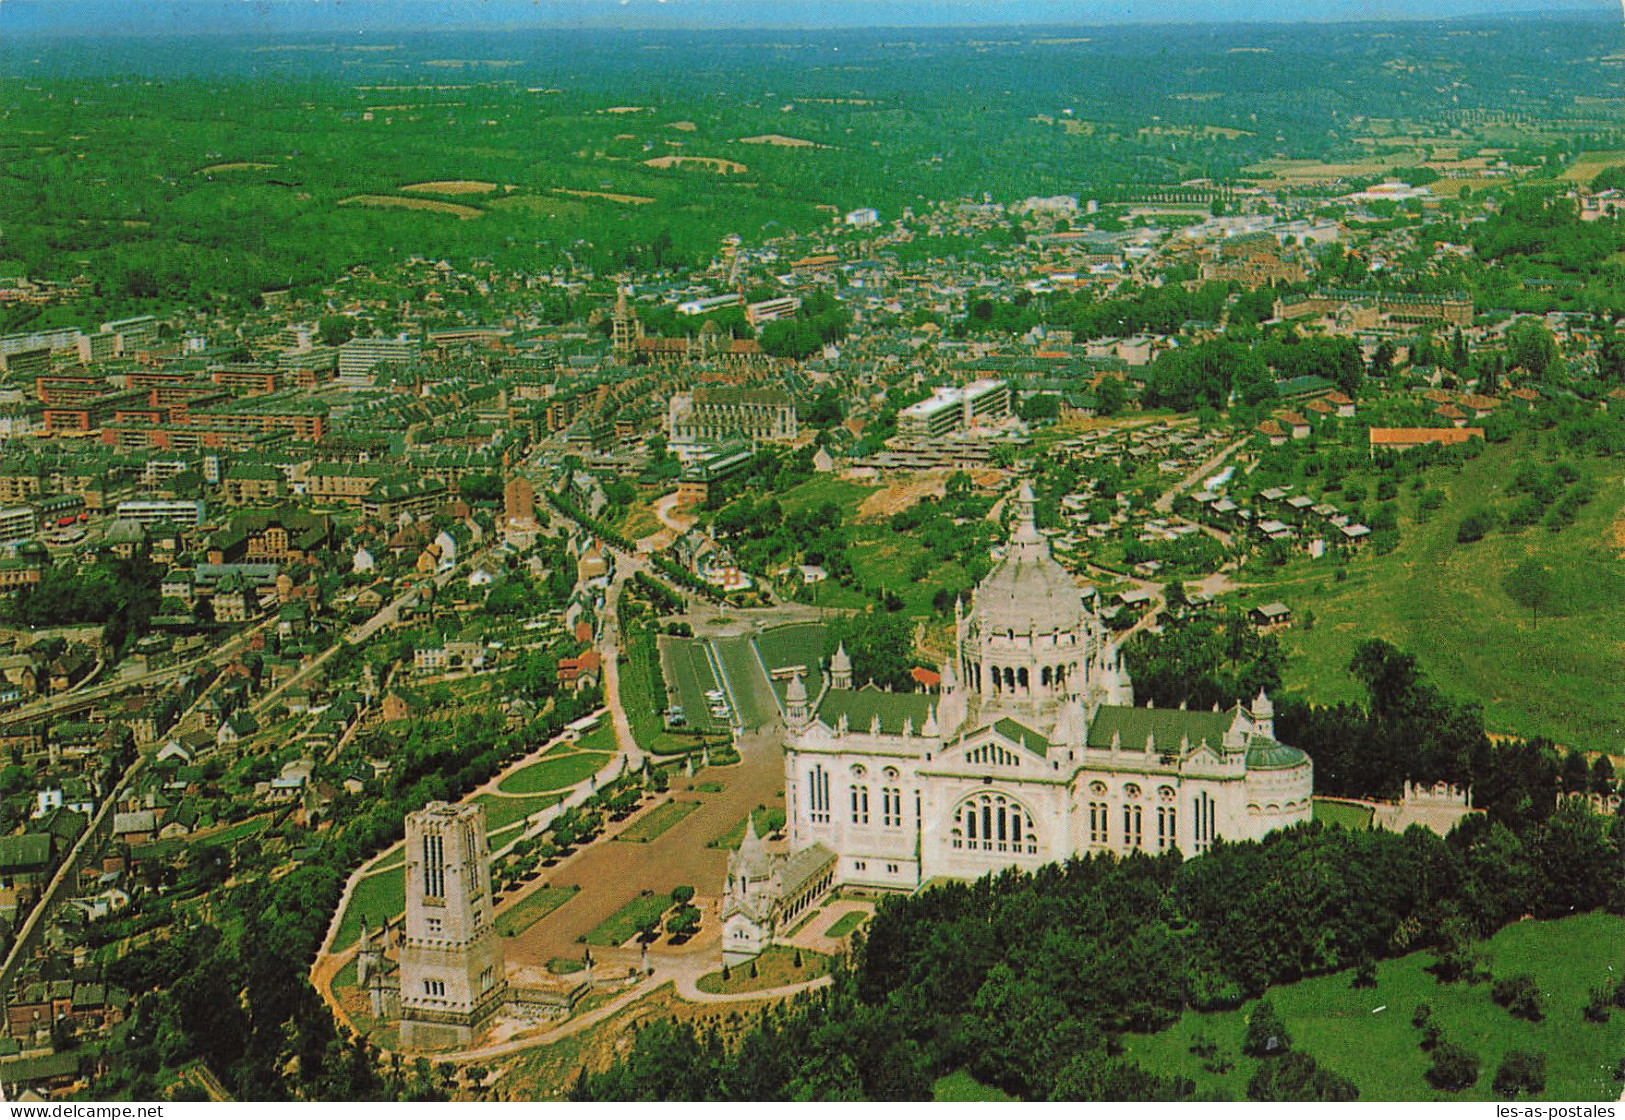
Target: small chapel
1031, 751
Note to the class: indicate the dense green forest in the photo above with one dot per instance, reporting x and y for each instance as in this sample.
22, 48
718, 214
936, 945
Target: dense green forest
1029, 981
190, 171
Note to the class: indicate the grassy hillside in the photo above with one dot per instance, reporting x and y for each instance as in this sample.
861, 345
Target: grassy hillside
1444, 601
1343, 1028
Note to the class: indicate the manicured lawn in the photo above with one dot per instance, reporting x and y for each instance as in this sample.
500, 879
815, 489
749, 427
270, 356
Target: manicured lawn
709, 787
600, 738
622, 925
768, 820
564, 966
775, 968
848, 922
747, 684
1444, 602
799, 644
960, 1087
1351, 816
500, 812
555, 773
1342, 1028
687, 669
396, 858
532, 908
378, 897
656, 821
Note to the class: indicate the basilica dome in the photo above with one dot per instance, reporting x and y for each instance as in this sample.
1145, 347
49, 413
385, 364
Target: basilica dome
1028, 592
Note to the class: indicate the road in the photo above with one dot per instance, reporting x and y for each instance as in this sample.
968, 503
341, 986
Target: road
51, 705
1166, 502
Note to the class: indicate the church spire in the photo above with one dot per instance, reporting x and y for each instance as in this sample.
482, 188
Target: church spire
1026, 526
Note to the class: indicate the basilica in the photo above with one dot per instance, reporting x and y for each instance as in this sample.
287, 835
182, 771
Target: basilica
1031, 751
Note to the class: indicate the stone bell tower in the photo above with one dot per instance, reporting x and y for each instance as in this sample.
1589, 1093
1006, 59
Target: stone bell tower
452, 971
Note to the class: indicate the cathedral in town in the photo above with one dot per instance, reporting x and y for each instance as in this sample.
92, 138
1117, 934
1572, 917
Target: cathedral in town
1031, 751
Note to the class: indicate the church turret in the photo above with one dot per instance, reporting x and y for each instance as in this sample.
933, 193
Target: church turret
1263, 712
930, 729
796, 709
840, 668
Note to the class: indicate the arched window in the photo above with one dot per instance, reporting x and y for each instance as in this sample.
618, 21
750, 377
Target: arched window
1133, 836
860, 804
992, 822
1021, 678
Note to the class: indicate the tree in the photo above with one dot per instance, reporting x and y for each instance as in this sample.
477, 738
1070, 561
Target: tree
1598, 1007
1454, 1067
1111, 396
1530, 344
1298, 1077
1521, 1071
1266, 1033
684, 923
1520, 995
336, 329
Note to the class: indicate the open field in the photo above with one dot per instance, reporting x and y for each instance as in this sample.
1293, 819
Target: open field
1378, 1049
452, 186
631, 199
458, 210
1444, 602
709, 163
899, 496
656, 821
532, 908
1298, 172
620, 926
240, 165
850, 496
1586, 165
778, 141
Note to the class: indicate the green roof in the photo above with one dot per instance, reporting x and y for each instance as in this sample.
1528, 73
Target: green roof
1168, 725
1275, 756
1017, 732
862, 706
29, 852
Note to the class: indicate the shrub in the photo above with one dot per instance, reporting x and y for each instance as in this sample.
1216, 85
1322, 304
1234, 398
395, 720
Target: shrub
1474, 526
1266, 1033
1519, 995
1297, 1077
1522, 1071
1598, 1008
1454, 1067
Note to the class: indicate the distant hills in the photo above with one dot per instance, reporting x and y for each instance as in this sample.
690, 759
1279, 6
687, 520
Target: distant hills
111, 18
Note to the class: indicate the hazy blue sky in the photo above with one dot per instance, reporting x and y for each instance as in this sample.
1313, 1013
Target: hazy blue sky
350, 16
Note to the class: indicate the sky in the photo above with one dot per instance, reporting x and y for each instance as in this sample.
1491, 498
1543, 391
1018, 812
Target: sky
174, 17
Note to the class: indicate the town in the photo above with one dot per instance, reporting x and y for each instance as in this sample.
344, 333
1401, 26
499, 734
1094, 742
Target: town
483, 639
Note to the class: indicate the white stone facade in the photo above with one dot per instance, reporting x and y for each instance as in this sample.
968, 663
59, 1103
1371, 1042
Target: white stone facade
1037, 756
452, 974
